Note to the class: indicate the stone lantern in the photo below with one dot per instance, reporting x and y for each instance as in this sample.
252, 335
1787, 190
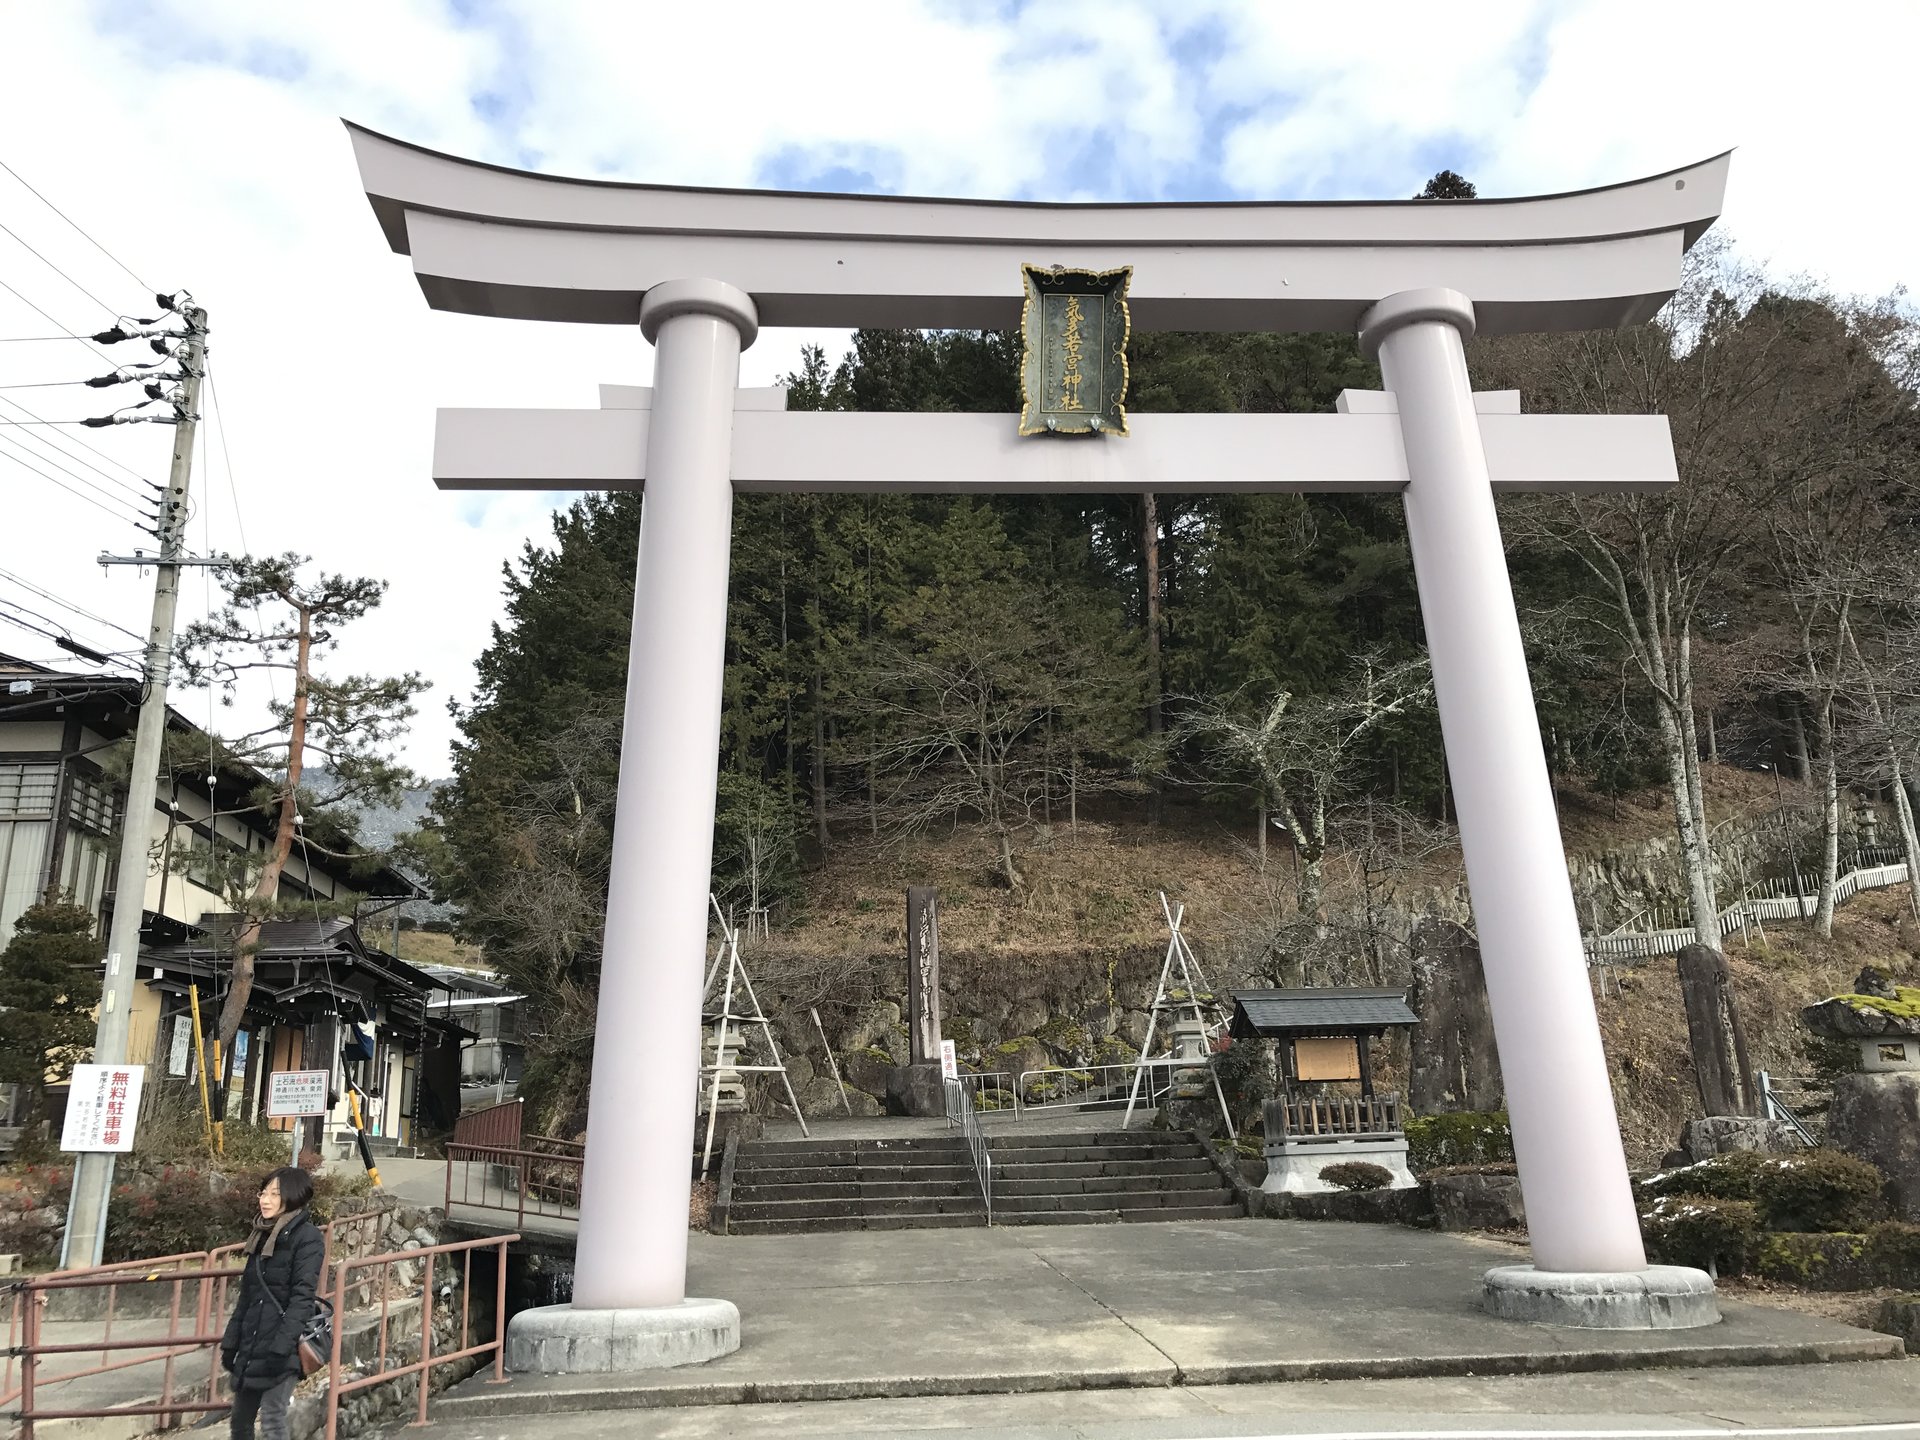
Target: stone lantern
1876, 1111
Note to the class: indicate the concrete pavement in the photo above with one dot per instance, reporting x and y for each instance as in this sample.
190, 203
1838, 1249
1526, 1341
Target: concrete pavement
1808, 1401
1139, 1308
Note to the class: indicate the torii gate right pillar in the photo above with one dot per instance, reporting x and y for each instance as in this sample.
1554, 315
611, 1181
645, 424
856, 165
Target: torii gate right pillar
1590, 1265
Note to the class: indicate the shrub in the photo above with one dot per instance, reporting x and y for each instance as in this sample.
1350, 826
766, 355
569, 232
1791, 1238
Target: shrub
1492, 1167
1816, 1191
1357, 1175
1893, 1252
1701, 1231
1466, 1137
1721, 1177
1822, 1190
176, 1211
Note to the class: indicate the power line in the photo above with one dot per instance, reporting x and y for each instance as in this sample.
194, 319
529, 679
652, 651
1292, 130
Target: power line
78, 339
58, 271
79, 610
43, 385
226, 456
81, 443
78, 494
53, 620
40, 459
75, 224
30, 339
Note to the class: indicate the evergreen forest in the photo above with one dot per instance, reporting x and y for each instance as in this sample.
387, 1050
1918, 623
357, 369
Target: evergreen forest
1012, 667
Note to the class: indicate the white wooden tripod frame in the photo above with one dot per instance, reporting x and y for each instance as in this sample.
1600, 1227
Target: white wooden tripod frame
1178, 953
730, 947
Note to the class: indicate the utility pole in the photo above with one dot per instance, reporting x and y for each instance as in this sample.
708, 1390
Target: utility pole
93, 1172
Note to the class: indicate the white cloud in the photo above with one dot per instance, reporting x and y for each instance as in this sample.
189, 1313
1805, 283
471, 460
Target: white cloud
201, 142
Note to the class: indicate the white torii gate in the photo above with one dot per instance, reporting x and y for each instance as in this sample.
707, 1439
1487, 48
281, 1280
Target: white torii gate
701, 270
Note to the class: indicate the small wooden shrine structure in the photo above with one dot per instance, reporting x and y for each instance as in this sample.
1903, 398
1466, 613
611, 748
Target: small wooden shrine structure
1325, 1039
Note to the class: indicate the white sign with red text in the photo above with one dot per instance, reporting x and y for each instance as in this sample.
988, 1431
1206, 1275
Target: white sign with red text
949, 1062
103, 1102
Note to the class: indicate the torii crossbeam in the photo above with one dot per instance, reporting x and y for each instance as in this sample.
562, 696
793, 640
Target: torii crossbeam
700, 270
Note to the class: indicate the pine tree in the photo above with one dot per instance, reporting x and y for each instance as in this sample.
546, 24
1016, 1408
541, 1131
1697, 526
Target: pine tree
49, 988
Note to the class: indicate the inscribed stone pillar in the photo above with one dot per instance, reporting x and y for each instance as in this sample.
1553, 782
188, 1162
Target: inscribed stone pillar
923, 973
1455, 1064
1714, 1033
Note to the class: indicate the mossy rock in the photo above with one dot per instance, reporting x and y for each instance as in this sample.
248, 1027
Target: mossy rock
1900, 1315
1464, 1137
1068, 1037
1854, 1016
1814, 1261
1114, 1051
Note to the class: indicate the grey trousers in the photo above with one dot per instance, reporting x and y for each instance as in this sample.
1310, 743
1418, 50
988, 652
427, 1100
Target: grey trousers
269, 1405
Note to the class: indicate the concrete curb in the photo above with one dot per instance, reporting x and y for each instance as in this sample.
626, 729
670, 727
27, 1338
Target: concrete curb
611, 1396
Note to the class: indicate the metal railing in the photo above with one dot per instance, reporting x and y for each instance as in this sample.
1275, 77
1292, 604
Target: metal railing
497, 1125
1089, 1087
960, 1112
991, 1092
196, 1282
339, 1385
199, 1290
540, 1177
1333, 1115
1777, 1109
1783, 899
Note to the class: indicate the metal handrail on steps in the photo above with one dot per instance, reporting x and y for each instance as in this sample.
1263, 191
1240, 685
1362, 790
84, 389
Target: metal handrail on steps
960, 1112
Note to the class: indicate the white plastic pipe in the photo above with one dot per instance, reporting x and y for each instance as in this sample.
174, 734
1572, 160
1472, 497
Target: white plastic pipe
1580, 1211
646, 1060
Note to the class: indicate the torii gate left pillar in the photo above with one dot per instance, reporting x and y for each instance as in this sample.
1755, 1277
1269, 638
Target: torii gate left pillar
1401, 276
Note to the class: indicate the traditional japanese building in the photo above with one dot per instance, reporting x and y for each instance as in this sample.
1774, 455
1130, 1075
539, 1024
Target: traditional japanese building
61, 809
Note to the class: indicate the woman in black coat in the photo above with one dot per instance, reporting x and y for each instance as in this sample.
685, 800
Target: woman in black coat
261, 1347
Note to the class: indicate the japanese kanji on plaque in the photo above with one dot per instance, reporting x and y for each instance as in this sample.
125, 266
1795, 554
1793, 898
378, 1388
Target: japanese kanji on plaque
102, 1106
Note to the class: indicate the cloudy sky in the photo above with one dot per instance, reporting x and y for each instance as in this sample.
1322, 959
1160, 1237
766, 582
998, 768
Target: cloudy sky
200, 143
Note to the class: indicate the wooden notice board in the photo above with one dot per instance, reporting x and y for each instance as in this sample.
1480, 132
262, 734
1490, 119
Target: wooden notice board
1331, 1058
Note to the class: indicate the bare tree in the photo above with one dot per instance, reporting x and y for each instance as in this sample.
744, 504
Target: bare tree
1298, 752
1714, 362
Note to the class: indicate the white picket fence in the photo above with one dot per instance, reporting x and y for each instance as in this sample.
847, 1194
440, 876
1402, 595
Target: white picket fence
1792, 899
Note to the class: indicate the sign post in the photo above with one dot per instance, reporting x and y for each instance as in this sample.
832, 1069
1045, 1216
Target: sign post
294, 1095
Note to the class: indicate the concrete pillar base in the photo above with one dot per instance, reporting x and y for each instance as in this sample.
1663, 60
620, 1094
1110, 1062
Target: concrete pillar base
1661, 1297
560, 1340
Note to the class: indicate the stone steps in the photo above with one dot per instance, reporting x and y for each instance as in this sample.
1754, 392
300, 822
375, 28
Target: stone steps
1110, 1217
1090, 1177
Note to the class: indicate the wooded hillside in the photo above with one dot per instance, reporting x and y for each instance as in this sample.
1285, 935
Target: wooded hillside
1021, 668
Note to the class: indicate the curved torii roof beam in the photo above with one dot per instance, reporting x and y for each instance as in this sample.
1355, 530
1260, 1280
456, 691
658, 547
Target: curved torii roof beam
486, 240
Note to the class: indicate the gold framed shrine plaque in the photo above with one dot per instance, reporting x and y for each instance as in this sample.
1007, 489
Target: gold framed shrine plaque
1333, 1058
1073, 351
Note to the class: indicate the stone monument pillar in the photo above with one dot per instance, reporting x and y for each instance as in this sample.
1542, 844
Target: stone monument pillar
923, 973
1714, 1033
916, 1088
1455, 1065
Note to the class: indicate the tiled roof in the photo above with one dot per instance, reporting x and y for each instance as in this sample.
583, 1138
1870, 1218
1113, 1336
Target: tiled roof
1318, 1012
